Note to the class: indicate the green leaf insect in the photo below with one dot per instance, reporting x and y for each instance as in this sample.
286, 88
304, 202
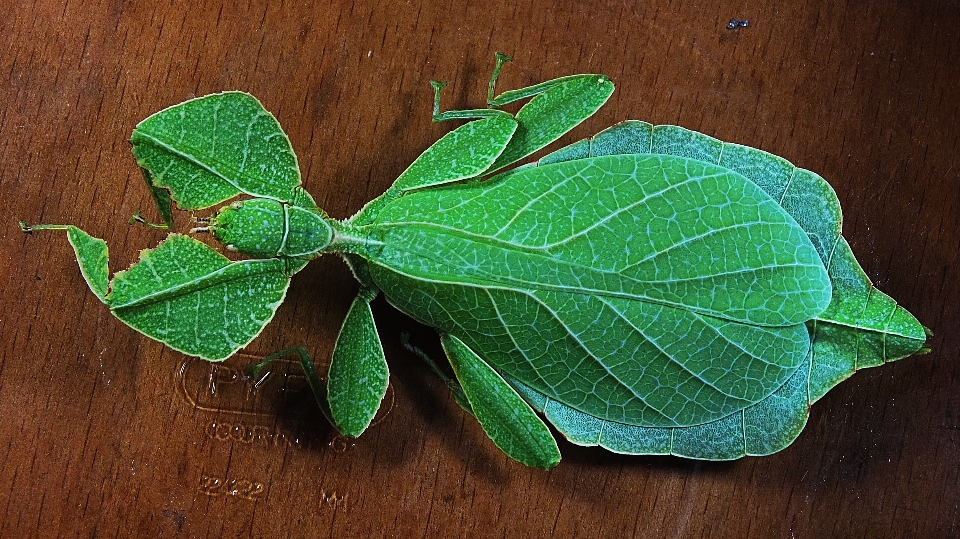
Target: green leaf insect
650, 290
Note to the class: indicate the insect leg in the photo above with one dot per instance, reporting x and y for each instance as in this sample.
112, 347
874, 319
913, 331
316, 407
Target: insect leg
557, 106
500, 60
506, 418
358, 376
469, 114
136, 218
318, 388
458, 394
161, 197
91, 255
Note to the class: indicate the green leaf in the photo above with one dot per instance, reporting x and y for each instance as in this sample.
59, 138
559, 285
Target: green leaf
193, 299
504, 416
649, 290
772, 424
358, 375
584, 280
212, 148
863, 327
548, 116
638, 227
759, 429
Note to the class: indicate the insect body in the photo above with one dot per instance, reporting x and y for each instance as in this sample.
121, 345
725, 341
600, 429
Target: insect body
649, 290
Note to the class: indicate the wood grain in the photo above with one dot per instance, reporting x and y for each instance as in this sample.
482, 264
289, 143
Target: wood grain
107, 434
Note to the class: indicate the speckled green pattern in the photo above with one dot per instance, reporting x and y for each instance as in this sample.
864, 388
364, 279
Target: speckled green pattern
255, 227
502, 413
443, 162
92, 256
308, 232
358, 375
648, 290
552, 113
585, 280
861, 327
193, 299
212, 148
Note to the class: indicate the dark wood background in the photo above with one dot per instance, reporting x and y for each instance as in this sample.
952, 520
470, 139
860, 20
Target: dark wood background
104, 433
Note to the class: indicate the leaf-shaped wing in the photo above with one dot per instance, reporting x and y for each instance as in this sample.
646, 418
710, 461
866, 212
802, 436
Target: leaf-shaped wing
612, 284
212, 148
466, 152
196, 301
655, 368
92, 255
760, 429
640, 227
843, 341
862, 327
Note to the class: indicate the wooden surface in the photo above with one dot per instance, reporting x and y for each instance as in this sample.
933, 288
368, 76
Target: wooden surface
107, 434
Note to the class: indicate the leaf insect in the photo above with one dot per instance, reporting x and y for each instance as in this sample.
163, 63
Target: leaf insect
650, 290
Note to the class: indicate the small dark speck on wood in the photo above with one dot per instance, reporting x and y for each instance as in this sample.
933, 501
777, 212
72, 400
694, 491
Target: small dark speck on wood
737, 23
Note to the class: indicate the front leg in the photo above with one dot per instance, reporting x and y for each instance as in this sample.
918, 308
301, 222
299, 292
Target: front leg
183, 293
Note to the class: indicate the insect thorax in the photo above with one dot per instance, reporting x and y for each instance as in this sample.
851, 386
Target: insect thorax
263, 227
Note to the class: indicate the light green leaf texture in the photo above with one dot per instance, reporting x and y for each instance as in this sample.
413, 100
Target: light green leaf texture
92, 256
193, 299
585, 280
549, 115
862, 327
212, 148
582, 279
502, 413
445, 161
358, 375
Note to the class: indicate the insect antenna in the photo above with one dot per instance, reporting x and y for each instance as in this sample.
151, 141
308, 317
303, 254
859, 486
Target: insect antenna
204, 223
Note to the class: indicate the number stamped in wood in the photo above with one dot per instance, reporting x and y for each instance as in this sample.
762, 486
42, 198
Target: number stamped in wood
232, 487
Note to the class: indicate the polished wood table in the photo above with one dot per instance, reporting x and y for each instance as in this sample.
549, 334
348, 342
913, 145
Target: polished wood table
105, 433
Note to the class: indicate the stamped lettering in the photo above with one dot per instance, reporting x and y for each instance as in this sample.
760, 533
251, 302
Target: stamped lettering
231, 487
